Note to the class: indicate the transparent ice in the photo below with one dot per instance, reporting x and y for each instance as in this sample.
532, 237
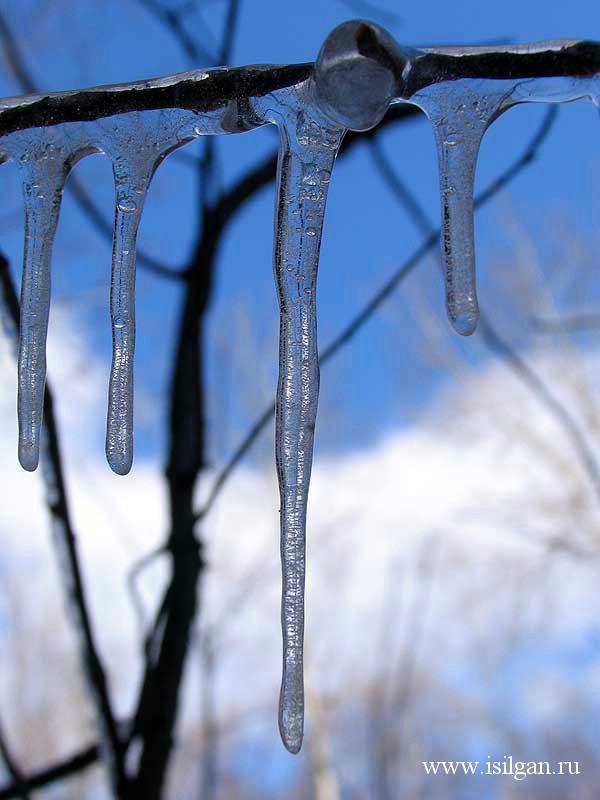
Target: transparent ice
359, 73
308, 145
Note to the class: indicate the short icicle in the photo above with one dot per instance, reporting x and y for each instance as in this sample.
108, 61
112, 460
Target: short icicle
131, 185
460, 115
308, 147
43, 179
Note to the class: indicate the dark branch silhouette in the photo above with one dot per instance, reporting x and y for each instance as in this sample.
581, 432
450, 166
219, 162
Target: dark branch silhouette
58, 772
66, 546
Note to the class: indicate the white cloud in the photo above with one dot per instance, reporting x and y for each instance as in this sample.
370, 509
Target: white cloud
469, 479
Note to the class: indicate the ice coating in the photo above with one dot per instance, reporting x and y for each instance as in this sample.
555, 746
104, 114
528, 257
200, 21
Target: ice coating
308, 144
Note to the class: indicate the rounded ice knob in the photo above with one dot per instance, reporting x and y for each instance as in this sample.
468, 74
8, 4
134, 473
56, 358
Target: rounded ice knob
356, 74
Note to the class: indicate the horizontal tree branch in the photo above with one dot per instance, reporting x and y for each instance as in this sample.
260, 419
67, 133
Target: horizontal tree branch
63, 769
216, 89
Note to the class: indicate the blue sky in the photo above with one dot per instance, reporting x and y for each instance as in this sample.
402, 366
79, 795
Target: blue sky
386, 376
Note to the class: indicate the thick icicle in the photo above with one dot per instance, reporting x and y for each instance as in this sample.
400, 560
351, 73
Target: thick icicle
307, 150
349, 90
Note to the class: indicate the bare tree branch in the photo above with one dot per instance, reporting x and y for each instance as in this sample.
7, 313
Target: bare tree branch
168, 647
68, 558
63, 769
197, 55
20, 782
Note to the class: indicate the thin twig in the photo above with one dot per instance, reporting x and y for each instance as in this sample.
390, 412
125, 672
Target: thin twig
132, 578
197, 55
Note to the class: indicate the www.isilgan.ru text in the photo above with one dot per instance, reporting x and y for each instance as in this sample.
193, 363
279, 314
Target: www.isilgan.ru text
519, 770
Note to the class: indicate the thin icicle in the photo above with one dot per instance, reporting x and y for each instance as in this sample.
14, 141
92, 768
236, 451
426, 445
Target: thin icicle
307, 150
130, 193
136, 143
43, 177
44, 158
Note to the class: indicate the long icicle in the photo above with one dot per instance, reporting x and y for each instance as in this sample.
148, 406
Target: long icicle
130, 188
42, 180
306, 156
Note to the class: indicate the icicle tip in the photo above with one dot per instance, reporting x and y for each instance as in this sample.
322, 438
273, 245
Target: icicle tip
466, 323
119, 464
292, 734
29, 456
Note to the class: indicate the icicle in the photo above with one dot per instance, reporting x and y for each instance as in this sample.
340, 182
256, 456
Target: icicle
307, 153
350, 89
130, 190
136, 143
308, 144
43, 177
460, 112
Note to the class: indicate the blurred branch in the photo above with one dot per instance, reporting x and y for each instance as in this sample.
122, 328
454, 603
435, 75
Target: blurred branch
397, 186
21, 784
402, 683
576, 323
63, 769
68, 559
132, 577
233, 9
173, 21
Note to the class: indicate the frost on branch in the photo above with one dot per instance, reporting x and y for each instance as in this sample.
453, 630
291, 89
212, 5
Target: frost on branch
359, 73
